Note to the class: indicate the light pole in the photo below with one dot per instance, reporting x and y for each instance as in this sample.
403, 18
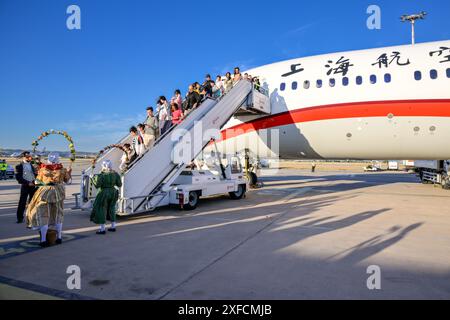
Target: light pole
412, 18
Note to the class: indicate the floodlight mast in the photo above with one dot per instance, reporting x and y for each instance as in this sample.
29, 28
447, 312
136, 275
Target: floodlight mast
412, 19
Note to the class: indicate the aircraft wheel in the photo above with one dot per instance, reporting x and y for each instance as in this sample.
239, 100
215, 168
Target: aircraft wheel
252, 179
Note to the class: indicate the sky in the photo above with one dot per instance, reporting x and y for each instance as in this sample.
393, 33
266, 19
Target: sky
97, 81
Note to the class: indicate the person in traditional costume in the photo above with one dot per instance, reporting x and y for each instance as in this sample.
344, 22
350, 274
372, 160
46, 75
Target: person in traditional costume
104, 207
47, 205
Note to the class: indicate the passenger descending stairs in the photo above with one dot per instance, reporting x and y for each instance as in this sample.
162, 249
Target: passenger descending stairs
148, 180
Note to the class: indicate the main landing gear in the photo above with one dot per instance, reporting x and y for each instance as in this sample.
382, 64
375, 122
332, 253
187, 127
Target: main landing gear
250, 170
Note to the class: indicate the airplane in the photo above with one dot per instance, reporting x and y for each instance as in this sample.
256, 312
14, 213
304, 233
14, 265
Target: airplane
384, 103
15, 155
42, 153
377, 104
37, 153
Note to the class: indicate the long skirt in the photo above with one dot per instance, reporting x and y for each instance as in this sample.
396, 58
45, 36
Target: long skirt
46, 207
104, 207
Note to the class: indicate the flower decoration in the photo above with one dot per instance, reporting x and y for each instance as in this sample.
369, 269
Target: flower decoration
45, 134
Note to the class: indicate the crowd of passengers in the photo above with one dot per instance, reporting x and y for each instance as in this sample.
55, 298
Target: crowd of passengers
172, 112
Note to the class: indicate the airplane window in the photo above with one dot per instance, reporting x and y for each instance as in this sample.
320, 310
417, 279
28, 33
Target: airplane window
373, 79
283, 86
345, 81
306, 84
294, 85
433, 74
448, 73
332, 82
418, 75
359, 80
319, 82
387, 78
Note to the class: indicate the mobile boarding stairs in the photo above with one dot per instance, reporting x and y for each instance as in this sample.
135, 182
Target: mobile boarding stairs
147, 182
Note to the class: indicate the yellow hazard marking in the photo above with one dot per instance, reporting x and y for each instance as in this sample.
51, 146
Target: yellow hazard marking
8, 292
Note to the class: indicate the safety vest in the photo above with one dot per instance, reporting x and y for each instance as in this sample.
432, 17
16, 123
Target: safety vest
3, 166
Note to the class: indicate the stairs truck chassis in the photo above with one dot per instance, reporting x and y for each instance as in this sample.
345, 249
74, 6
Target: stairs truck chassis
158, 177
199, 184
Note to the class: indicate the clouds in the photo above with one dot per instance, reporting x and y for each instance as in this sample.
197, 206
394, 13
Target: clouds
101, 122
301, 29
296, 42
242, 64
98, 130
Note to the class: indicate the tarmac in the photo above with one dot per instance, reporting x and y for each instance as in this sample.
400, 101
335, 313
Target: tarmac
302, 236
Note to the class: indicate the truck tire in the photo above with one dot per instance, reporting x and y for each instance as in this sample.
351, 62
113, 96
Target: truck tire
193, 201
239, 194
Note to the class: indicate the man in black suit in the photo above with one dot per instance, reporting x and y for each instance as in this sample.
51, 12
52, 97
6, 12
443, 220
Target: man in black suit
25, 175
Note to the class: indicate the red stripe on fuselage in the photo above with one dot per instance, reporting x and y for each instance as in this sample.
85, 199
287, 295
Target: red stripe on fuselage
399, 108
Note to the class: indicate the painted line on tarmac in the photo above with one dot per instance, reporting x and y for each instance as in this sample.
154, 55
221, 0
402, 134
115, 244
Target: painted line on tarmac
43, 290
7, 215
271, 221
260, 218
297, 193
139, 220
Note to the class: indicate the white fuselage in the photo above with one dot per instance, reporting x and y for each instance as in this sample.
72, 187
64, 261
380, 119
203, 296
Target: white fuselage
378, 107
